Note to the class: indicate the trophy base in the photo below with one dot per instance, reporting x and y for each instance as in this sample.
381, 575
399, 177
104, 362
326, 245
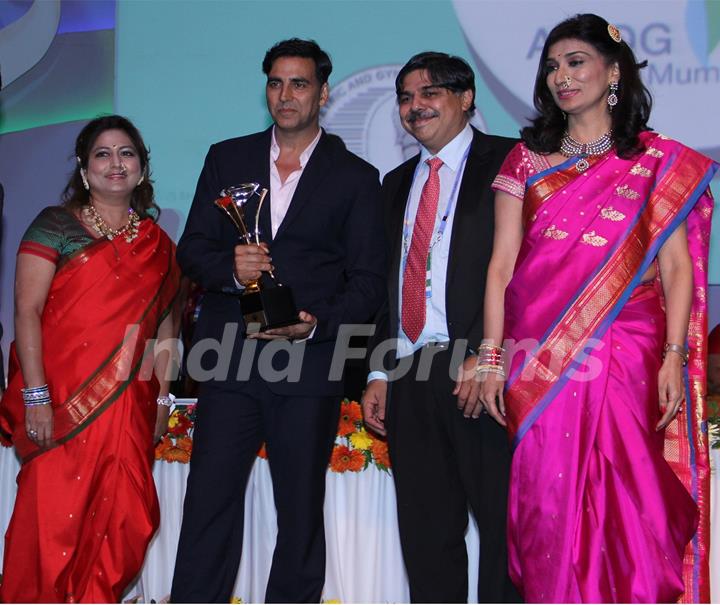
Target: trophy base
269, 308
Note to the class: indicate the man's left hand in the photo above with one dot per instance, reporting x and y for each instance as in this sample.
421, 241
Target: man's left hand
295, 332
467, 389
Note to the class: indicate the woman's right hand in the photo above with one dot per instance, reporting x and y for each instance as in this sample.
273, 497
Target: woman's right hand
39, 424
491, 396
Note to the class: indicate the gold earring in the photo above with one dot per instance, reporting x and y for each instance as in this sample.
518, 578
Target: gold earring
142, 178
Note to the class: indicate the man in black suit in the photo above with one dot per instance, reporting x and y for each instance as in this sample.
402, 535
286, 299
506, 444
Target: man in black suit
445, 453
323, 241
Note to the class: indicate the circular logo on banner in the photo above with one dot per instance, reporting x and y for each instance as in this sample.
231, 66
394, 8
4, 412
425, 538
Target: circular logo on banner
362, 110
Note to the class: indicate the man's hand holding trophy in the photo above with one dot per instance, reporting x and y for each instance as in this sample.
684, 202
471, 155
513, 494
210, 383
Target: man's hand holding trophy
269, 310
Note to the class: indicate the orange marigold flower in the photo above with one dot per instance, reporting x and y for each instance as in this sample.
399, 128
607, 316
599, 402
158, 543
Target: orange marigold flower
162, 447
262, 452
184, 443
176, 454
344, 459
380, 453
350, 416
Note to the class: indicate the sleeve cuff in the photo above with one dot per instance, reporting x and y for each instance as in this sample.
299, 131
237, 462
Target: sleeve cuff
376, 375
308, 337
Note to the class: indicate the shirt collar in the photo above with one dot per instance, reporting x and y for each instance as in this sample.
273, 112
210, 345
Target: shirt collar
453, 153
304, 156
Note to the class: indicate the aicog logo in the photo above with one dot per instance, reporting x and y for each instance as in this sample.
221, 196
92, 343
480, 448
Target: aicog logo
362, 110
679, 39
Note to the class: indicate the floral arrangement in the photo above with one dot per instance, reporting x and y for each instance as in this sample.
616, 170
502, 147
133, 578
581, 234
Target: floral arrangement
176, 444
355, 449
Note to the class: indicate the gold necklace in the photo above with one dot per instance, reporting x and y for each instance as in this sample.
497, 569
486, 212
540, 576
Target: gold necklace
129, 230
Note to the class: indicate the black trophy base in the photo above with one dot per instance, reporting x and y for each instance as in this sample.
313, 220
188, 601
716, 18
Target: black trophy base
269, 308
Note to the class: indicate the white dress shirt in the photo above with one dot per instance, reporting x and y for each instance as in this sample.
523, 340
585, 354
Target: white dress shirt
454, 158
281, 194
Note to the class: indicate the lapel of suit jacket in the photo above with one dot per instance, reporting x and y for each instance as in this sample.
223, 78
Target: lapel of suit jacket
317, 168
397, 218
475, 177
259, 164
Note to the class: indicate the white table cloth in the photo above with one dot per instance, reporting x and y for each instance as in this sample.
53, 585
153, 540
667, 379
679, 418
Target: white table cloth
364, 562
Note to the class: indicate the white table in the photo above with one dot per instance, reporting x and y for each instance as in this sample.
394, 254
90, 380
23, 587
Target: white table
364, 562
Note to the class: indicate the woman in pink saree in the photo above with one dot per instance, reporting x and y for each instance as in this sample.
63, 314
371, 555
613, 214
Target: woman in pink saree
598, 279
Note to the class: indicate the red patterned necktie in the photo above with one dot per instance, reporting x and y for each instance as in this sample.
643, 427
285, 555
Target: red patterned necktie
415, 276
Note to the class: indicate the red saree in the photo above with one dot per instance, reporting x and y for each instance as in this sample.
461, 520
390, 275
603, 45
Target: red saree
86, 508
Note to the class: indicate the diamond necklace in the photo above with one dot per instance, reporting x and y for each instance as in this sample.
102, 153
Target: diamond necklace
129, 230
569, 147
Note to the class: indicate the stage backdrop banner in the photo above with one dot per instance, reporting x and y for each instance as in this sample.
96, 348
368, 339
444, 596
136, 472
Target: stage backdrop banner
188, 73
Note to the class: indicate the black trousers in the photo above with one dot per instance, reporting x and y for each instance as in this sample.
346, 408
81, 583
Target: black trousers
443, 462
230, 426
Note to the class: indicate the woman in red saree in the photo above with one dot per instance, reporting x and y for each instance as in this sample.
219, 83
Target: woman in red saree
598, 277
96, 279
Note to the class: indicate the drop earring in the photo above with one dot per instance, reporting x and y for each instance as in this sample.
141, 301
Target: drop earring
83, 176
612, 99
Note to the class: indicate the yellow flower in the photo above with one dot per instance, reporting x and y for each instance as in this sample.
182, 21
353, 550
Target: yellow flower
361, 440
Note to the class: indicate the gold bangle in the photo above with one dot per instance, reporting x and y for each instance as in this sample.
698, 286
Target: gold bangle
672, 348
487, 347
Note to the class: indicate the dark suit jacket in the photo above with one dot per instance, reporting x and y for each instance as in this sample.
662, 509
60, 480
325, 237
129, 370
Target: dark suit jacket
470, 246
329, 248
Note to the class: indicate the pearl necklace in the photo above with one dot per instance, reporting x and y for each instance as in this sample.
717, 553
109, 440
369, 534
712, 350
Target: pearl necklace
129, 230
569, 147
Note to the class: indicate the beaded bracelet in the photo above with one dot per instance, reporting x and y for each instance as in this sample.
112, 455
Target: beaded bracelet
166, 400
490, 369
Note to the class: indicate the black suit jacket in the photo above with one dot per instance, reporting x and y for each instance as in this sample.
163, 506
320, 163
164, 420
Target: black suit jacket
329, 248
470, 246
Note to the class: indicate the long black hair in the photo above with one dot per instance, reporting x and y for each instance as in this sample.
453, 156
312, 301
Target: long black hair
75, 196
629, 116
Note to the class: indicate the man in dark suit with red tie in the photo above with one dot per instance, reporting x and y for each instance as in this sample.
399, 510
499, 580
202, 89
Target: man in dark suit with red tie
445, 453
322, 238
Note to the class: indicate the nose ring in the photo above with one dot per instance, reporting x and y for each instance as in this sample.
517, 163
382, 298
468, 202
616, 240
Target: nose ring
566, 82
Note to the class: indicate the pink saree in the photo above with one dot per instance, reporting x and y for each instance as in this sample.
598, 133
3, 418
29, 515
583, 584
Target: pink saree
602, 508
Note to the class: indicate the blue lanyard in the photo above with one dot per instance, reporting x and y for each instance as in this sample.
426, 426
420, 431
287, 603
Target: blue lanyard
443, 222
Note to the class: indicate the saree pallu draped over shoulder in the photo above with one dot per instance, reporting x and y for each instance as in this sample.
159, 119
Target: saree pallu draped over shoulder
86, 508
602, 507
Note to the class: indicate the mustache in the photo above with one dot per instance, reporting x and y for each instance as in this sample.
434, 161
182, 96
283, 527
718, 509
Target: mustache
421, 114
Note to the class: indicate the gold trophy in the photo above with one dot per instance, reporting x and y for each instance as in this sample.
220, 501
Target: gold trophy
267, 306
